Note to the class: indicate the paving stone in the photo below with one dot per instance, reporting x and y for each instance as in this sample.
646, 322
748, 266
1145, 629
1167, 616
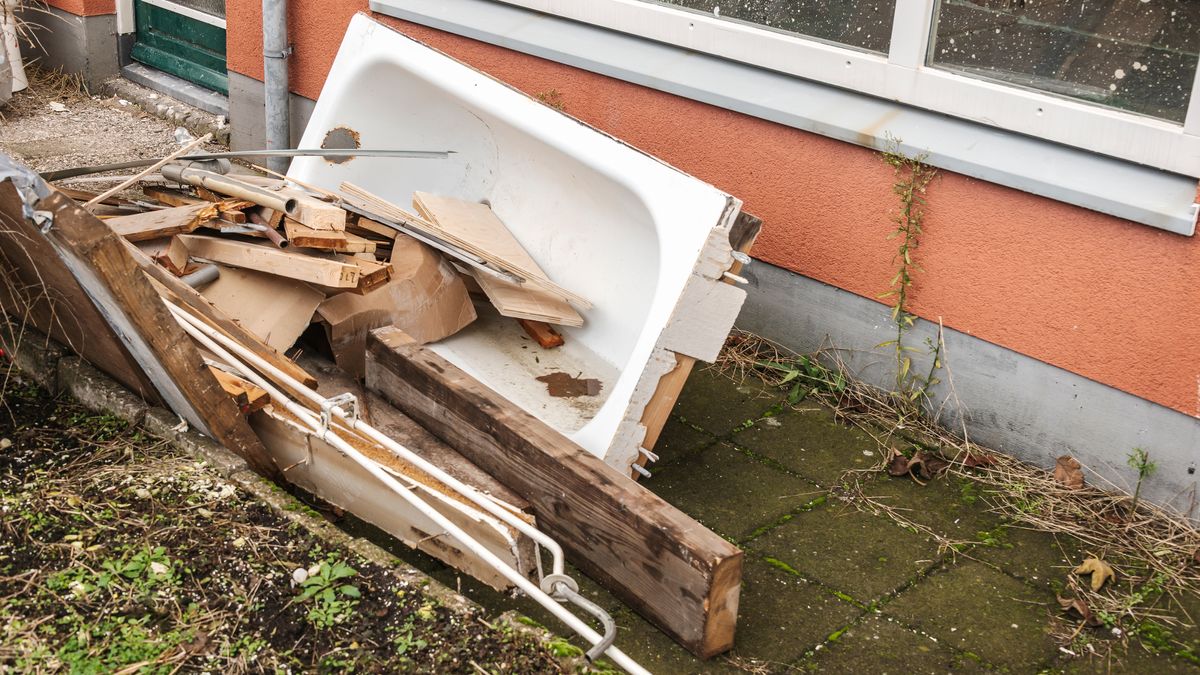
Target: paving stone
660, 654
977, 609
862, 555
728, 492
717, 404
1033, 556
883, 647
812, 443
678, 441
951, 506
1135, 660
782, 616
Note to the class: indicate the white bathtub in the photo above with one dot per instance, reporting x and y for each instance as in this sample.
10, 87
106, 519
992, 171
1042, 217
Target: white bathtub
603, 219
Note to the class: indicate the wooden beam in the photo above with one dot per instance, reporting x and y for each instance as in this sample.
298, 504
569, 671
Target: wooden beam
101, 263
271, 260
679, 575
36, 286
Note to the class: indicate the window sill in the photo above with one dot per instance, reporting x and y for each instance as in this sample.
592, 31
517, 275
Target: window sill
1141, 194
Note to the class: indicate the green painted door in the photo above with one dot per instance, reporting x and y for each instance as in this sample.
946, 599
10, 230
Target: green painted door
185, 38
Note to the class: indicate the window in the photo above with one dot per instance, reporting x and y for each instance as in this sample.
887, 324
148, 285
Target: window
865, 25
1139, 56
1115, 77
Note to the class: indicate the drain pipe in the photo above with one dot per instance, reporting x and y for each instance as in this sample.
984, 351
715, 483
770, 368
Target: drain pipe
275, 80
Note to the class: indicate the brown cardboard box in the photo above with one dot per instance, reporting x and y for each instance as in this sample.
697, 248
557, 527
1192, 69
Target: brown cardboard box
426, 298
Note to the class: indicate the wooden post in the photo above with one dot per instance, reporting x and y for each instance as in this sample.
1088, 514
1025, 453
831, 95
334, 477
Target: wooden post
679, 575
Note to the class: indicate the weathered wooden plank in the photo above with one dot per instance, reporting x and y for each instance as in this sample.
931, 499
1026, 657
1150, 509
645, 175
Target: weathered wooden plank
35, 288
317, 466
101, 266
154, 224
322, 271
679, 575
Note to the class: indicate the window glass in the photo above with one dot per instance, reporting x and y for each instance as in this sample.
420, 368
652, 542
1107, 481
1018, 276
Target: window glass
865, 24
1137, 55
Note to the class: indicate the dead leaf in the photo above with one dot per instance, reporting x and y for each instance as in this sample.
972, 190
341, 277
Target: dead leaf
1100, 571
897, 465
974, 461
935, 465
1068, 472
1080, 609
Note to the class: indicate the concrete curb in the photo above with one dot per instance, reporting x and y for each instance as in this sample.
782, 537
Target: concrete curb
162, 106
51, 366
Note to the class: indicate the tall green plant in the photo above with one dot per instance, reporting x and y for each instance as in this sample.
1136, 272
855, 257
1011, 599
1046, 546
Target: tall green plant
912, 177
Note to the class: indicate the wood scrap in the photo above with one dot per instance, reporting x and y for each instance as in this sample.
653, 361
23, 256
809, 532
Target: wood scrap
330, 272
373, 273
543, 333
365, 227
248, 396
173, 256
163, 223
116, 189
302, 236
313, 212
362, 200
132, 309
476, 228
170, 196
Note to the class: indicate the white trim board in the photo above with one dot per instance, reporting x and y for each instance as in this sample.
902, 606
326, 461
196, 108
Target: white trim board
1120, 188
900, 76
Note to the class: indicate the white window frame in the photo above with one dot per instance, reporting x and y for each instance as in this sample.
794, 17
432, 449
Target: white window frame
901, 75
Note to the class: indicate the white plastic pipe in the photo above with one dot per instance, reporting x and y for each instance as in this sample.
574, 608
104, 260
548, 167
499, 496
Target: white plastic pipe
206, 336
468, 491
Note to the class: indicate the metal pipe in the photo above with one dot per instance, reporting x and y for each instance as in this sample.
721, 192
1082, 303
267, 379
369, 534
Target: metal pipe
63, 174
206, 336
228, 185
275, 79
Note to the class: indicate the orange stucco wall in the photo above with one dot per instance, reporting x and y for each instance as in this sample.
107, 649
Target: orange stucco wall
1114, 301
85, 7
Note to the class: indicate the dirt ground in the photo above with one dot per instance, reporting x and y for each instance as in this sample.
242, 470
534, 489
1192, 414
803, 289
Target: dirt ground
118, 554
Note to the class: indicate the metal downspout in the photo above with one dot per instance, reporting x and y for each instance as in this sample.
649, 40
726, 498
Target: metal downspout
275, 80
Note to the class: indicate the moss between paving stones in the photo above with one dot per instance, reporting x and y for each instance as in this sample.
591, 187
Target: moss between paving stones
785, 616
729, 492
884, 647
678, 441
718, 405
975, 608
949, 506
1038, 558
811, 443
864, 556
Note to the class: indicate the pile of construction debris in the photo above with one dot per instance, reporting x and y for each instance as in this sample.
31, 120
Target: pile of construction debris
278, 257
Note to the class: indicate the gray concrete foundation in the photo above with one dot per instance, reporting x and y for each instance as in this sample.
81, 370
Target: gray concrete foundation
1008, 401
248, 118
86, 45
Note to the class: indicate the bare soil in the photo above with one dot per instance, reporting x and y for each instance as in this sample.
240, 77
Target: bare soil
118, 554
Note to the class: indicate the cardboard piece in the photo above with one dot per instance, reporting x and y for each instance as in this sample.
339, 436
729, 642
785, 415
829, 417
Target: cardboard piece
275, 309
425, 298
